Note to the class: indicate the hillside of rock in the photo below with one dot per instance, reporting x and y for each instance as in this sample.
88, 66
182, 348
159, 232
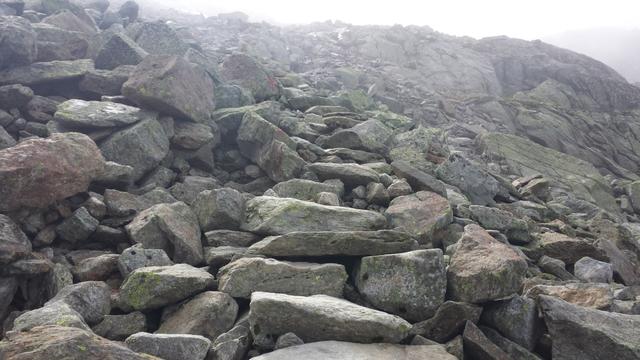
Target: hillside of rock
187, 188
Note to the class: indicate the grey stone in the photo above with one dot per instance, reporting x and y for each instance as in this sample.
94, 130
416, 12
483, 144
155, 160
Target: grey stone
592, 270
14, 244
18, 42
517, 319
137, 257
351, 175
78, 227
568, 249
341, 243
46, 72
192, 136
156, 37
511, 348
579, 332
189, 189
157, 286
517, 230
120, 327
245, 71
219, 209
474, 181
418, 179
321, 317
244, 276
219, 256
477, 343
58, 313
170, 346
306, 190
371, 135
106, 82
14, 96
91, 299
80, 114
420, 214
119, 50
171, 227
328, 198
411, 285
448, 321
270, 215
287, 340
230, 238
555, 267
208, 314
54, 43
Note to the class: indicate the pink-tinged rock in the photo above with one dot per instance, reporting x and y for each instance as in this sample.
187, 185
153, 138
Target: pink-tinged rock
38, 172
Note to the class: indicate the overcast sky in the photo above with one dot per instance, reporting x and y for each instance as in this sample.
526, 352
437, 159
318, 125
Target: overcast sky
527, 19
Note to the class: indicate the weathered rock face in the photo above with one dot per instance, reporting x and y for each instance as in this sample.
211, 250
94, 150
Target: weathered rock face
60, 342
219, 209
169, 346
483, 269
411, 285
581, 332
80, 114
173, 86
119, 50
245, 71
46, 72
568, 249
18, 42
157, 286
14, 244
516, 319
420, 214
335, 350
321, 317
475, 182
38, 172
271, 215
327, 243
351, 175
244, 276
142, 146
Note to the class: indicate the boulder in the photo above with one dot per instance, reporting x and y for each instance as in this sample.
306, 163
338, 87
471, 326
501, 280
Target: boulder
120, 327
14, 96
57, 313
157, 286
208, 314
78, 227
515, 318
591, 295
76, 20
61, 342
474, 181
273, 216
156, 37
351, 175
339, 350
55, 43
477, 343
420, 214
171, 227
137, 257
418, 180
80, 114
14, 244
334, 243
448, 321
247, 275
516, 230
321, 317
592, 270
91, 299
568, 249
170, 346
219, 209
411, 285
370, 135
243, 70
106, 82
483, 269
46, 72
171, 85
578, 332
119, 50
17, 42
142, 146
191, 136
38, 172
306, 190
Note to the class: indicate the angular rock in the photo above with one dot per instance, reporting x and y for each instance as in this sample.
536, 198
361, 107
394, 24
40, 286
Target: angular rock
230, 238
173, 86
156, 37
190, 136
338, 350
106, 82
14, 244
119, 50
77, 227
417, 179
420, 214
234, 344
579, 332
517, 230
46, 72
96, 268
55, 43
622, 265
483, 269
511, 348
62, 342
568, 249
188, 190
247, 275
137, 257
142, 146
476, 342
14, 96
17, 42
474, 181
170, 346
76, 20
272, 216
340, 243
351, 175
91, 299
517, 319
208, 314
219, 209
6, 140
321, 317
448, 321
370, 135
597, 296
306, 190
411, 285
38, 172
120, 327
555, 267
171, 227
80, 114
157, 286
243, 70
219, 256
592, 270
58, 313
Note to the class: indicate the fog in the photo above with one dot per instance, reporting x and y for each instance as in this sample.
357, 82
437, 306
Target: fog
595, 28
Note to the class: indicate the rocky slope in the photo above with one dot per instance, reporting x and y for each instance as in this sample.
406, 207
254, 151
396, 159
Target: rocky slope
211, 188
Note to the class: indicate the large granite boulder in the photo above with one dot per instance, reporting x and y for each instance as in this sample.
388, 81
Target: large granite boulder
420, 214
170, 346
474, 181
38, 172
243, 70
172, 85
483, 269
272, 216
321, 317
17, 42
81, 114
351, 175
119, 50
47, 72
14, 244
